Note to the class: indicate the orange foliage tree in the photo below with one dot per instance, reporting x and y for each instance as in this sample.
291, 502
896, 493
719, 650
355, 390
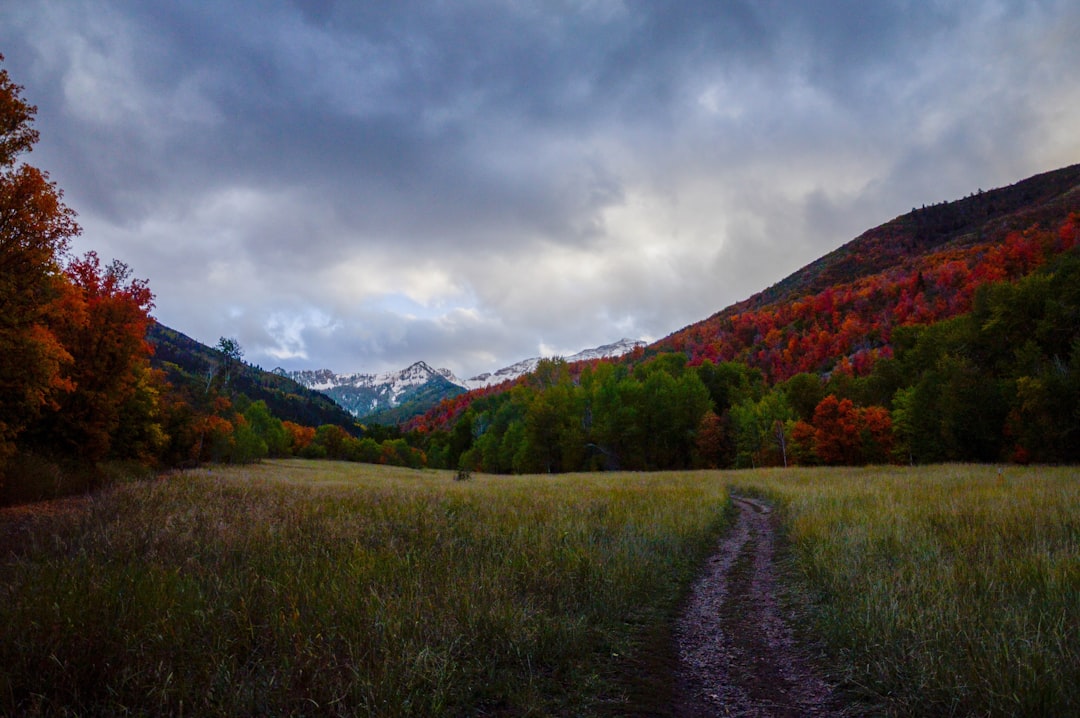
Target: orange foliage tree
35, 227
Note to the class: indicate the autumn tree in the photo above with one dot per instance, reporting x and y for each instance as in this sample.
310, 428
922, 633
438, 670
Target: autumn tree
107, 341
836, 436
35, 228
300, 437
713, 443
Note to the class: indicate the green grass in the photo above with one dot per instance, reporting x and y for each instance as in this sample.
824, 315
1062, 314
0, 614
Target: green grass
341, 589
947, 590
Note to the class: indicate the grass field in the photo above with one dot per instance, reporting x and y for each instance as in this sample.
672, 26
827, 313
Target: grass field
949, 590
323, 589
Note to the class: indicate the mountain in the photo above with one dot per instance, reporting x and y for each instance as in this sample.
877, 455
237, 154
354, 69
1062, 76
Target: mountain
841, 312
394, 397
525, 366
187, 363
365, 394
925, 266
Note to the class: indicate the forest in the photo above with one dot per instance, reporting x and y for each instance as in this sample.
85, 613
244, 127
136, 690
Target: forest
957, 341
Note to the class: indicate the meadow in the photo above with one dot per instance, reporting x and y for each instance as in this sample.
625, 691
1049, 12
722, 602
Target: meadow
946, 590
319, 588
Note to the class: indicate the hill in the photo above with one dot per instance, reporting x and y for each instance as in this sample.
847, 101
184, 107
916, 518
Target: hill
187, 363
947, 334
918, 268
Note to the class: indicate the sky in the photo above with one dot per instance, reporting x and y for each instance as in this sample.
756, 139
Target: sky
361, 185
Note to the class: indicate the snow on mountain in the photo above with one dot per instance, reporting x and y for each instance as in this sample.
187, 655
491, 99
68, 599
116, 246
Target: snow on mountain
364, 394
509, 373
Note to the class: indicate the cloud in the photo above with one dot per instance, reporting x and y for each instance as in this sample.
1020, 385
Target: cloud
360, 186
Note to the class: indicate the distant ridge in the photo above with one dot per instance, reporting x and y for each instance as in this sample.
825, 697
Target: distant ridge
363, 395
394, 397
525, 366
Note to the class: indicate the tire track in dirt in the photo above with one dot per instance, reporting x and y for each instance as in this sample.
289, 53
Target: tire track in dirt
737, 655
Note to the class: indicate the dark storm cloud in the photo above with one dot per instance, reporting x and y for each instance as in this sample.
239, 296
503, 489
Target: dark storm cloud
360, 185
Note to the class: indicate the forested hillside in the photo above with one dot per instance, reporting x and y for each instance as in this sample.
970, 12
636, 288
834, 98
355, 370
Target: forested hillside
919, 268
950, 333
188, 362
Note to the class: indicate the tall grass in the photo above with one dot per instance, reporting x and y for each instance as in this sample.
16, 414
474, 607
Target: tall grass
951, 590
344, 589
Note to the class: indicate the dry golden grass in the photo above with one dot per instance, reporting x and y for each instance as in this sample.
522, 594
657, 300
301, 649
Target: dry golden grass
945, 590
346, 589
343, 589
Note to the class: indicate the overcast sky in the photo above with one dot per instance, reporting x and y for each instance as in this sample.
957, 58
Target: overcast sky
360, 185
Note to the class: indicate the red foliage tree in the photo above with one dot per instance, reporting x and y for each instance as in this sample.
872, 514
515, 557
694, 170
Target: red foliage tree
107, 341
836, 431
300, 437
875, 435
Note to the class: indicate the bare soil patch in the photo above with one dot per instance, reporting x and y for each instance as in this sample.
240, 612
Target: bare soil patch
737, 654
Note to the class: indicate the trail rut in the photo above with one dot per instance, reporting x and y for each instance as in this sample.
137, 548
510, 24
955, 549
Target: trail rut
737, 655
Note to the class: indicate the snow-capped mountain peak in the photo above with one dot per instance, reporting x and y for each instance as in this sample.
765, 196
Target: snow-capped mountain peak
363, 394
509, 373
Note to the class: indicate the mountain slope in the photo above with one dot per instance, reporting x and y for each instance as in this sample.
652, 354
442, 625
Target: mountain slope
187, 362
921, 267
980, 218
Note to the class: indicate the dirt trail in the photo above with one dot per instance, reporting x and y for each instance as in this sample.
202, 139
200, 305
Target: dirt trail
737, 656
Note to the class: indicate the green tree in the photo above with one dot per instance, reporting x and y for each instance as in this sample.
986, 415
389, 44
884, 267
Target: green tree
762, 430
268, 428
730, 383
904, 426
618, 426
232, 356
331, 438
554, 437
804, 392
248, 447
